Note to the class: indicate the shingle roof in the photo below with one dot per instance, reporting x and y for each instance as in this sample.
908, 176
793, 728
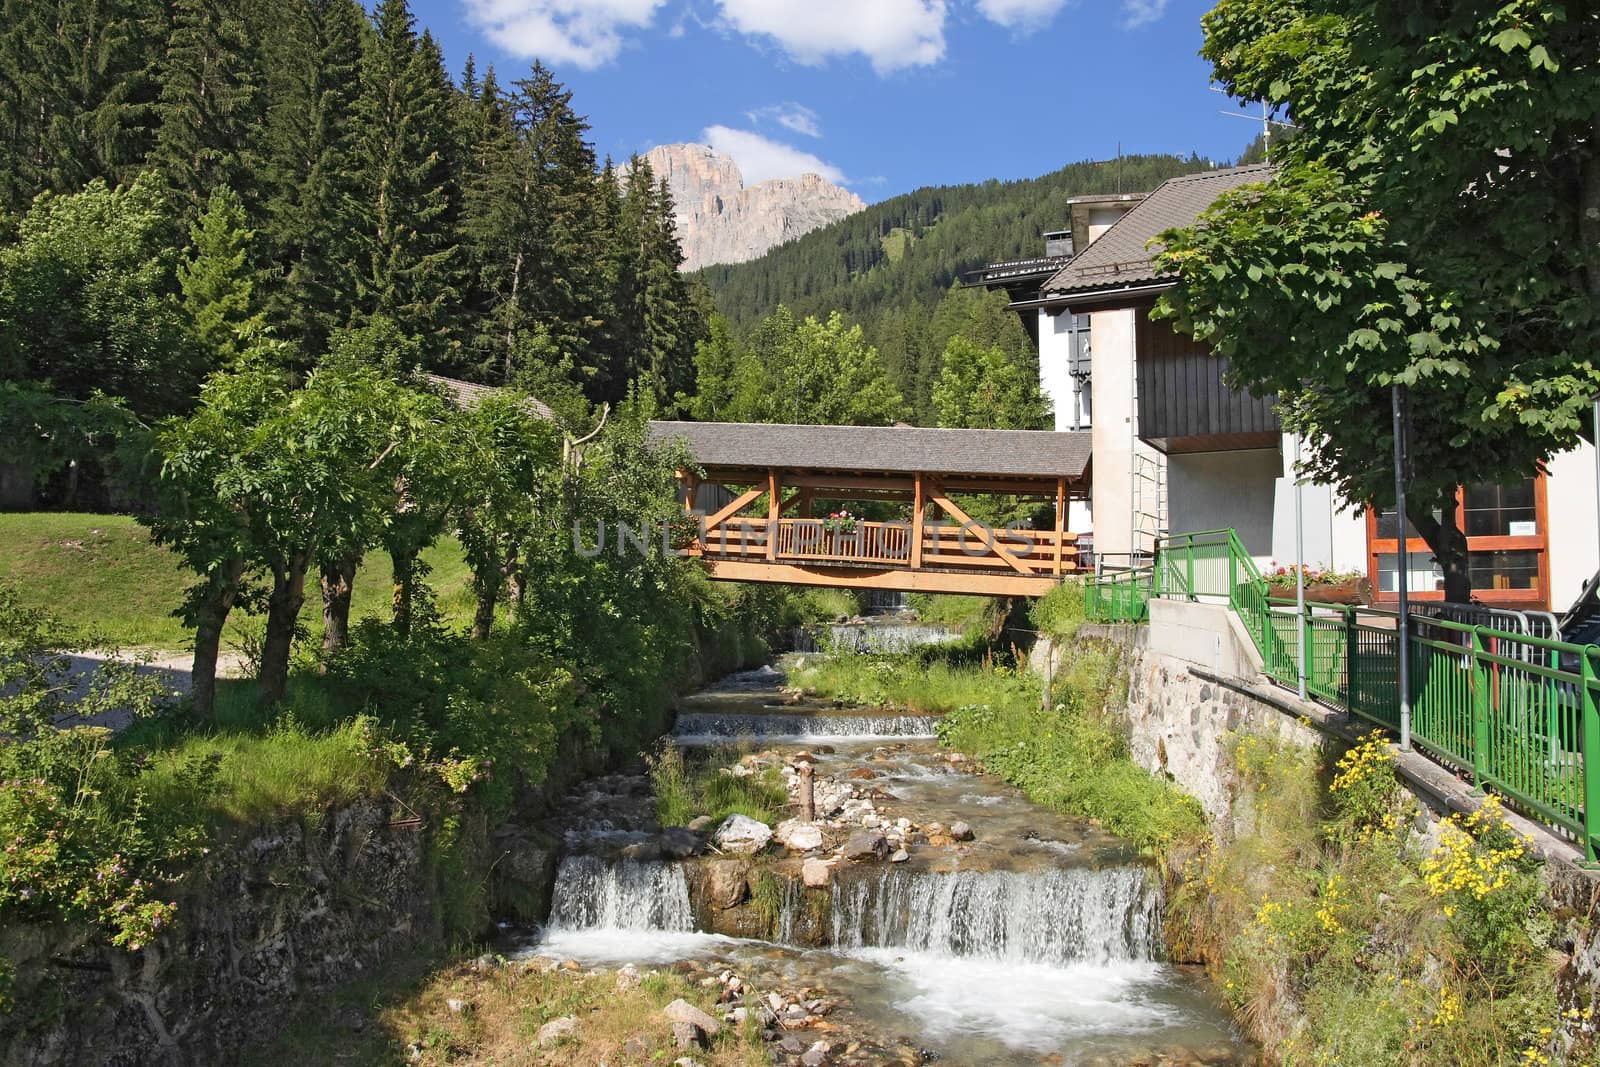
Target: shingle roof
1120, 259
885, 449
471, 394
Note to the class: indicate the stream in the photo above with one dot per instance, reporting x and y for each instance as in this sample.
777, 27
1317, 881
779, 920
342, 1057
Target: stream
1030, 938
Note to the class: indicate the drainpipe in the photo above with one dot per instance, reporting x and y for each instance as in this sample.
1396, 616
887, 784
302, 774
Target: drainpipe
1300, 569
1404, 565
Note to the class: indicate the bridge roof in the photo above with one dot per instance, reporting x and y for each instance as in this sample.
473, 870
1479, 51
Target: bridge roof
884, 449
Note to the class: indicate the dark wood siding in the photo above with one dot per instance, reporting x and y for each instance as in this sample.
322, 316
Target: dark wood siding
1182, 395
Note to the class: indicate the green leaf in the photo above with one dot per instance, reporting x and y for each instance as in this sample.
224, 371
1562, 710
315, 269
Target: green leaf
1511, 39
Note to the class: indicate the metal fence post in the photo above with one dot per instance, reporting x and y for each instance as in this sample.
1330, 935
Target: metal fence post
1591, 753
1352, 656
1480, 711
1188, 560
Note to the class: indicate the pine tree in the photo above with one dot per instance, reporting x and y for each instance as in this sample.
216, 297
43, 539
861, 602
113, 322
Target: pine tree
407, 266
217, 284
76, 87
658, 320
308, 170
562, 262
211, 103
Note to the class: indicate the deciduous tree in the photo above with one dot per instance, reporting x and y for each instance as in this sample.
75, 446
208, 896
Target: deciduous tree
1434, 223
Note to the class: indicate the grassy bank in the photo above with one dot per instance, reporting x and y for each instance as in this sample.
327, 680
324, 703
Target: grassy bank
101, 574
470, 1014
1068, 755
1341, 935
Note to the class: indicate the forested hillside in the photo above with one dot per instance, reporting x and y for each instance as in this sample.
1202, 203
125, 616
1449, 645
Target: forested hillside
908, 249
887, 267
352, 192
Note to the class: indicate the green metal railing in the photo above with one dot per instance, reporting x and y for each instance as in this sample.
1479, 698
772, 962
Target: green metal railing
1123, 596
1521, 714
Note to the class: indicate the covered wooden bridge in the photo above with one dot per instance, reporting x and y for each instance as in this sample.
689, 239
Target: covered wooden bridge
767, 526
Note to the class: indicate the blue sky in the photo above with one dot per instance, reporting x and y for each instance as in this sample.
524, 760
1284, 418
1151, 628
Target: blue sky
881, 95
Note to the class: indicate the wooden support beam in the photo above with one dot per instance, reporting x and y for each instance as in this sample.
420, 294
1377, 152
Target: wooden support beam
773, 504
988, 539
900, 579
806, 499
728, 510
790, 503
919, 505
1061, 519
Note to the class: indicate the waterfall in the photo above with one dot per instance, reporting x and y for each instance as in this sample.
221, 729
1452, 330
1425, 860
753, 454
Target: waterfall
1056, 916
594, 893
710, 724
870, 637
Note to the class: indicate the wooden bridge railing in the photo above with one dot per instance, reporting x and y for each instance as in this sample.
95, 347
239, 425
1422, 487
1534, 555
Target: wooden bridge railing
891, 544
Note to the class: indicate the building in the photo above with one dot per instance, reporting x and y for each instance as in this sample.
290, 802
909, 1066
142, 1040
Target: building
1176, 449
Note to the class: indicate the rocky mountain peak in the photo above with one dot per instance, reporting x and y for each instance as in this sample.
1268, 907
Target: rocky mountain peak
722, 220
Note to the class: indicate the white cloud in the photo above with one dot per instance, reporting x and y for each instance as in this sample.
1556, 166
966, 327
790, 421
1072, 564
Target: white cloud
585, 33
1021, 14
791, 116
892, 34
1141, 12
761, 158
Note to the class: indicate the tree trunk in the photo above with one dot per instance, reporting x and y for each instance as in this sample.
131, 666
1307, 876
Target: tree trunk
338, 580
405, 584
487, 586
1449, 544
283, 610
211, 616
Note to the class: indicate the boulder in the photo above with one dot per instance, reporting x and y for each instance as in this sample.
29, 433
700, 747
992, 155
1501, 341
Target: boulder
961, 831
556, 1031
740, 833
727, 882
627, 978
687, 1036
680, 842
816, 874
681, 1011
643, 851
866, 845
700, 823
524, 877
799, 836
899, 855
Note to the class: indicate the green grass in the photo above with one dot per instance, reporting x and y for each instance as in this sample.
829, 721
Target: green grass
923, 684
101, 574
1070, 756
1059, 613
951, 610
686, 788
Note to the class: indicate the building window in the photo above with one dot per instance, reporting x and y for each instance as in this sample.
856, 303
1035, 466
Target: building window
1507, 548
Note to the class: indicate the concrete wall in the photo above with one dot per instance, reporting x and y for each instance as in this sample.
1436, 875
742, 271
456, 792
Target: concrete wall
1111, 344
1574, 525
1213, 490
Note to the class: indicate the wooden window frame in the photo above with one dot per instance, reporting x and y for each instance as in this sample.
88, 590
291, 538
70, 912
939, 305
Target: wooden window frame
1518, 599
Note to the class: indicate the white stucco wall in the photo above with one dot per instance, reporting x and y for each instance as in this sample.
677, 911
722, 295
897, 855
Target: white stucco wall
1574, 555
1111, 343
1055, 356
1101, 218
1214, 490
1335, 533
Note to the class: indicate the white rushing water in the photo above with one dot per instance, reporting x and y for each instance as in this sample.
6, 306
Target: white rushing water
1067, 915
594, 893
704, 726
